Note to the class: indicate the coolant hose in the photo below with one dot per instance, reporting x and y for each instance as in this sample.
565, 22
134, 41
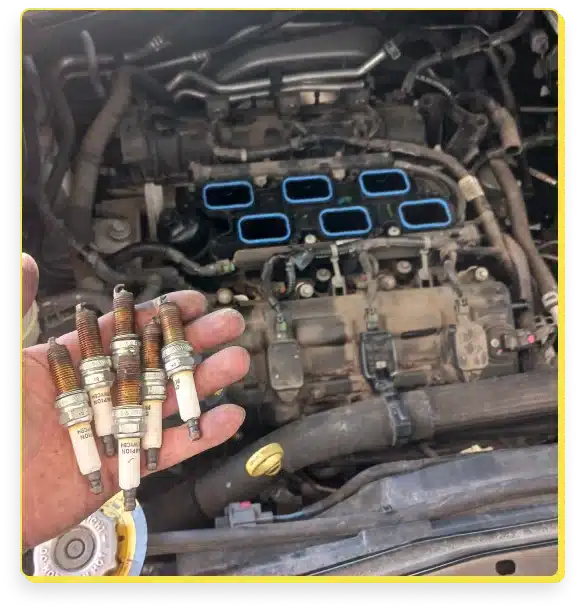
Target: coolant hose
90, 155
368, 426
521, 230
521, 24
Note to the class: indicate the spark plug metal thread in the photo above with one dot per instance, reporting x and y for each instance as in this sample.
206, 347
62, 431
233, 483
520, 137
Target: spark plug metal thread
96, 375
124, 339
180, 363
154, 392
75, 413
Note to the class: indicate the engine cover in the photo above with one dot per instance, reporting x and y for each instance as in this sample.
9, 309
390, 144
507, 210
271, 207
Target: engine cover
426, 338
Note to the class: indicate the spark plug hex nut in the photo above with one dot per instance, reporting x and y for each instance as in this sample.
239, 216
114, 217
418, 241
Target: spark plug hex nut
154, 384
96, 373
129, 421
124, 345
178, 356
74, 408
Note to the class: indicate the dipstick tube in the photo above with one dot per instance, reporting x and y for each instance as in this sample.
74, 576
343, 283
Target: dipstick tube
75, 413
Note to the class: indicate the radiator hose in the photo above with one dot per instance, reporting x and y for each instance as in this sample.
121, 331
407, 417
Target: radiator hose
363, 426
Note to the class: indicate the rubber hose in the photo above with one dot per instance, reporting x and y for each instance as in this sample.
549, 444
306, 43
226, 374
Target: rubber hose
521, 24
522, 269
506, 125
461, 203
521, 226
480, 203
67, 137
374, 473
89, 158
129, 253
99, 301
367, 426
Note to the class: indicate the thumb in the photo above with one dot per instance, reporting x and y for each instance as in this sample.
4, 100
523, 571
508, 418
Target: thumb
29, 281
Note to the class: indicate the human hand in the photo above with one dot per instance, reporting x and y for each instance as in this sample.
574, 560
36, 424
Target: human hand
56, 496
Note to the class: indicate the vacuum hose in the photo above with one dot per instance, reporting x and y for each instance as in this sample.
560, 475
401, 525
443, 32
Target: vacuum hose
365, 426
91, 153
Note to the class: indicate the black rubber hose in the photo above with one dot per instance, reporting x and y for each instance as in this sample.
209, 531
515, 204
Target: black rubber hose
428, 172
129, 253
521, 24
374, 473
66, 127
537, 141
80, 212
368, 426
521, 226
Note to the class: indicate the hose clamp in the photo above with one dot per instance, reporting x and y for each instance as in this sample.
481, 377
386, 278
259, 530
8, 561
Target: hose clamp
398, 414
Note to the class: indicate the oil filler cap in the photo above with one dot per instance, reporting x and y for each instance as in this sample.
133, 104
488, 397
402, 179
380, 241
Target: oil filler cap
267, 461
110, 542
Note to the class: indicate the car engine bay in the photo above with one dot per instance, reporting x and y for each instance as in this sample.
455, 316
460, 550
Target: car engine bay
376, 193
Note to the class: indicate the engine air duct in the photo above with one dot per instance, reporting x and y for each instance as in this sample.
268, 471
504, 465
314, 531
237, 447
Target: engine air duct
384, 182
345, 222
233, 195
307, 189
255, 229
425, 214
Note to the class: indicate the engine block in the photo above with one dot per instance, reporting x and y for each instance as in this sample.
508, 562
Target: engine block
425, 339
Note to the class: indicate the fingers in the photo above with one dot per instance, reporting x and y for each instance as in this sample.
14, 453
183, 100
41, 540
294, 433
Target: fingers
29, 281
218, 371
217, 426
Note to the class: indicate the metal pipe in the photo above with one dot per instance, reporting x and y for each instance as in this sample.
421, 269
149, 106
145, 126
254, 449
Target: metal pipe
240, 97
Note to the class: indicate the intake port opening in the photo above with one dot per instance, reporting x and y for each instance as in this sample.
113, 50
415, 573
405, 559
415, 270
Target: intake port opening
384, 182
228, 195
425, 214
263, 228
345, 222
307, 189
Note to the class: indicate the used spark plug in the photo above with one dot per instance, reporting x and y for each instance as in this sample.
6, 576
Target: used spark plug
96, 374
154, 392
75, 413
128, 414
180, 364
124, 340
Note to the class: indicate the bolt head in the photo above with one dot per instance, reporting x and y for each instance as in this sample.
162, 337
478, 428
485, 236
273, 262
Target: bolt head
481, 274
494, 342
393, 231
310, 239
404, 267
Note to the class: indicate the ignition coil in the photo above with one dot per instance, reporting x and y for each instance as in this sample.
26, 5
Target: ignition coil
75, 413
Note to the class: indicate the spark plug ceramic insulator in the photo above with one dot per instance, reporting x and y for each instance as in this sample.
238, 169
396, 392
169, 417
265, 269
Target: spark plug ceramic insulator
154, 392
96, 374
180, 363
75, 413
